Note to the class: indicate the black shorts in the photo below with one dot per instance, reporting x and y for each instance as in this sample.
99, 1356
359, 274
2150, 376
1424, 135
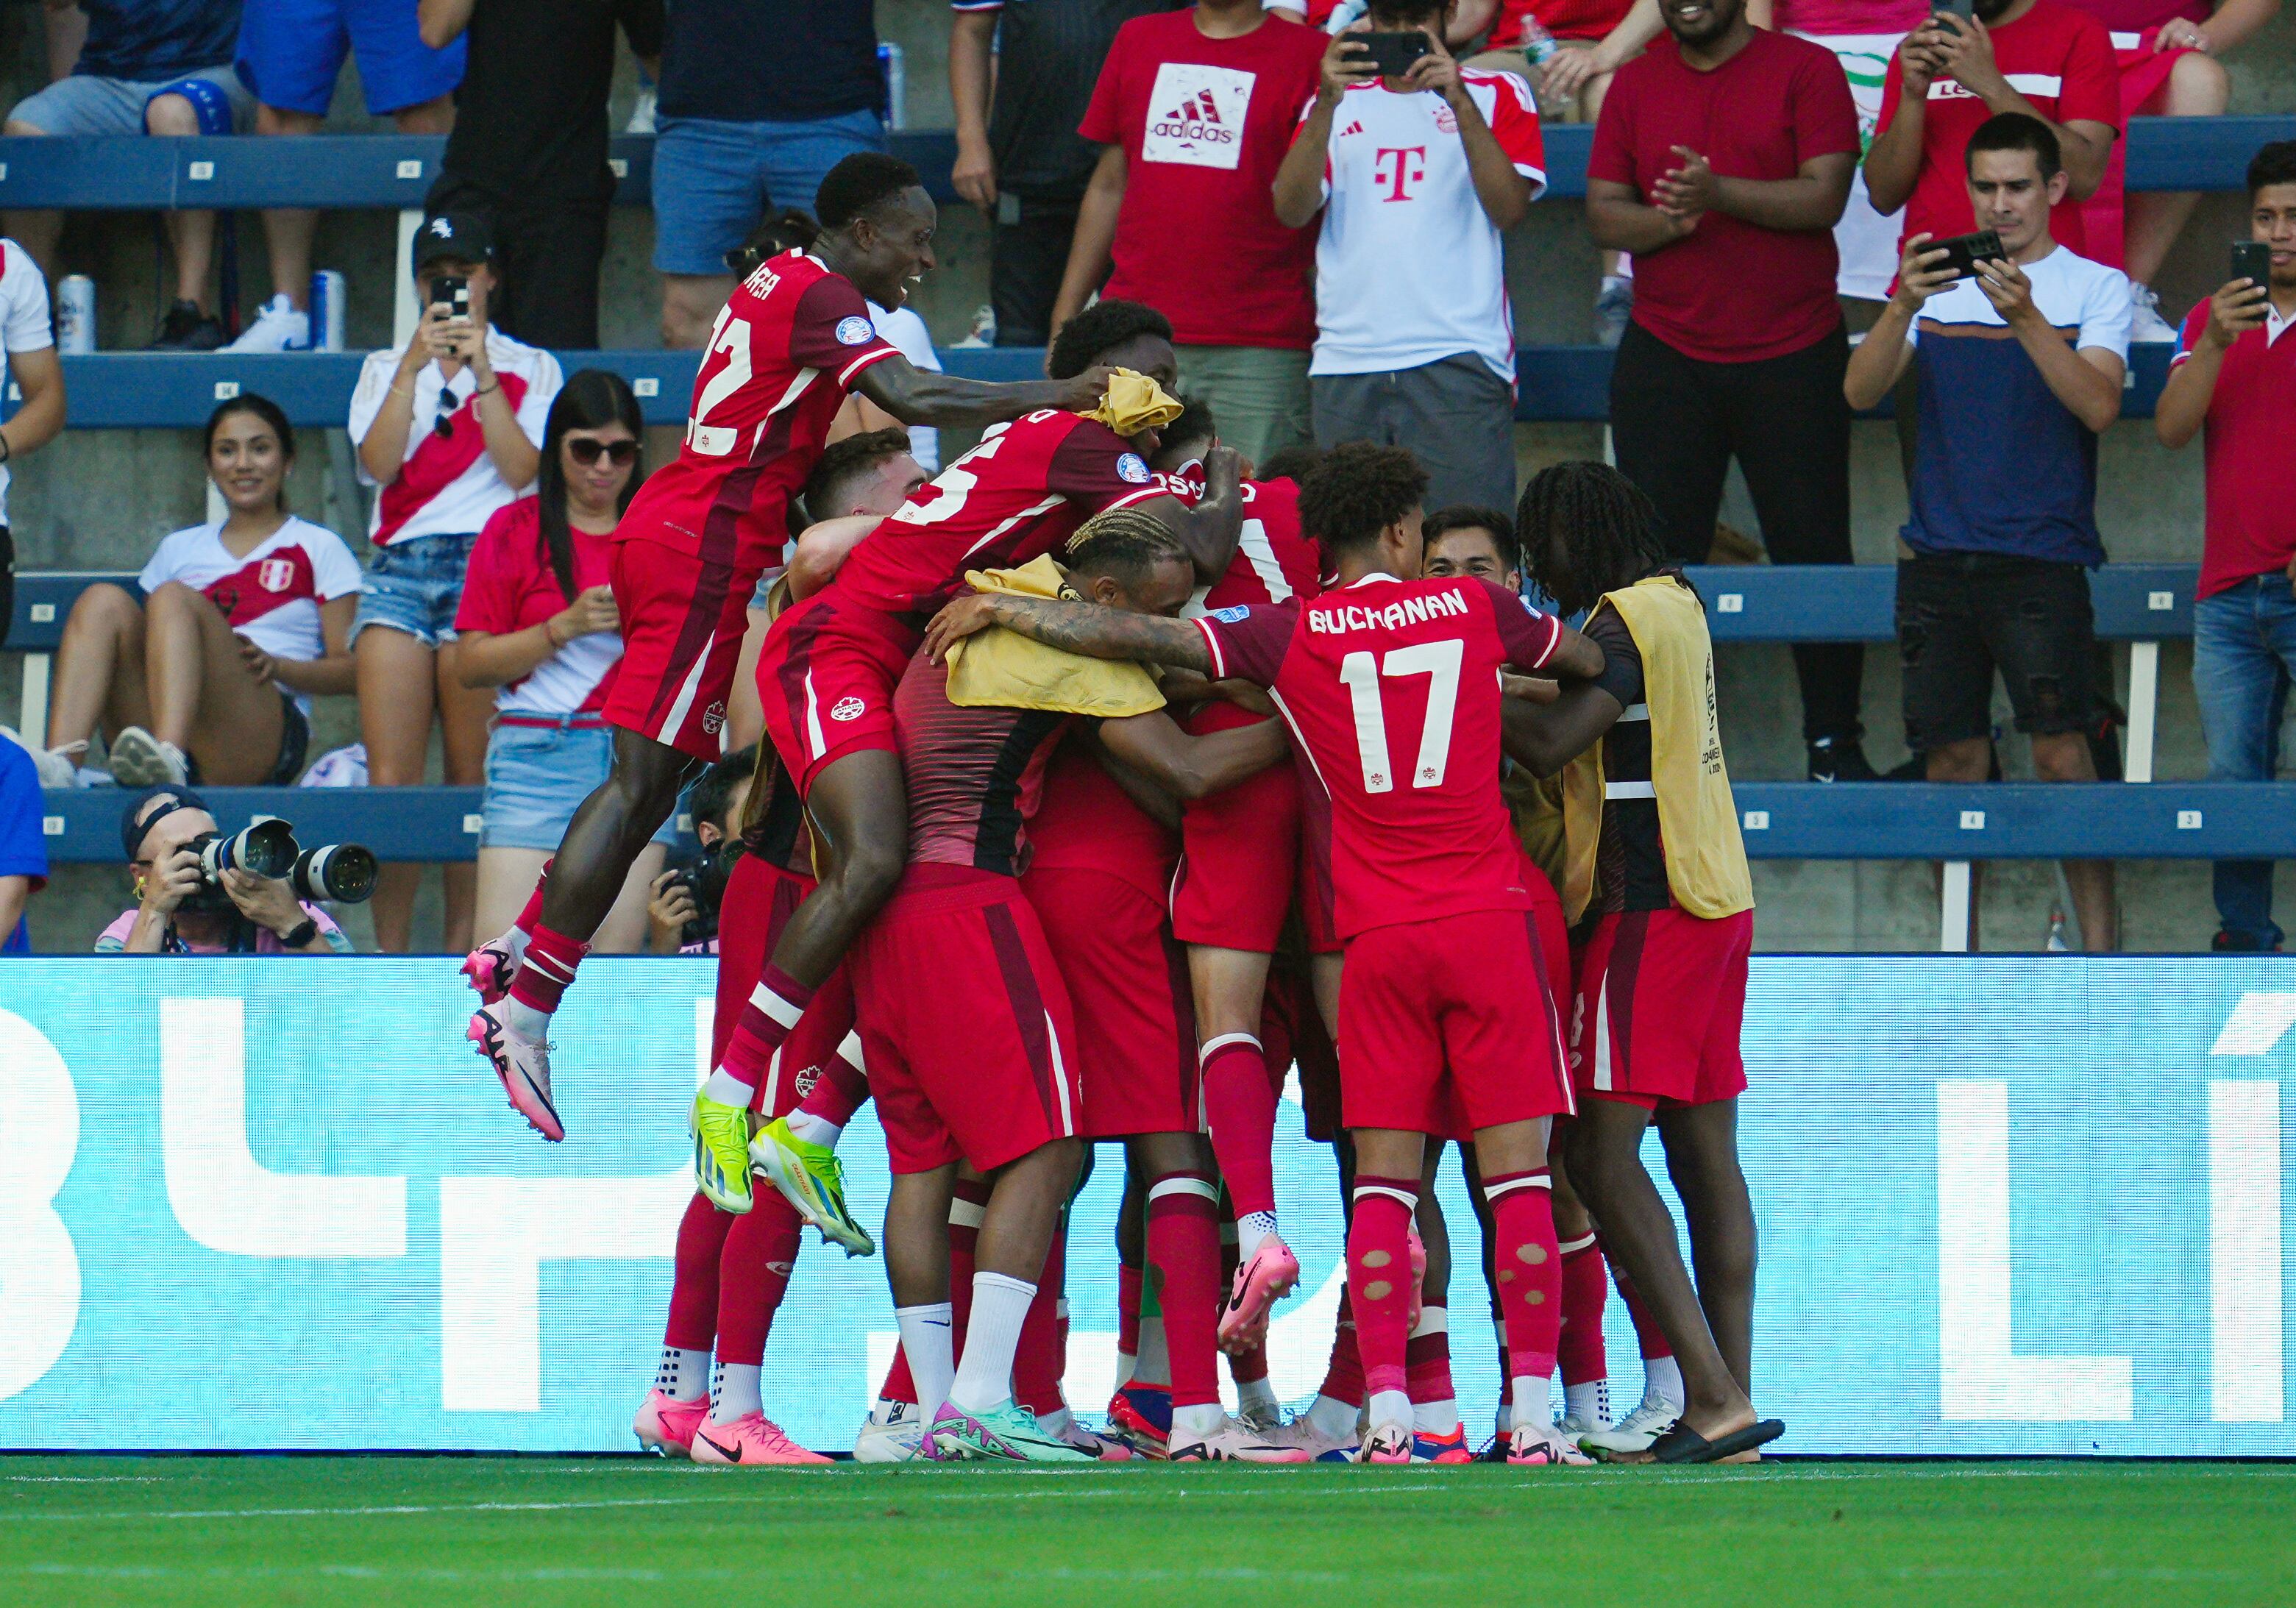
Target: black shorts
1961, 616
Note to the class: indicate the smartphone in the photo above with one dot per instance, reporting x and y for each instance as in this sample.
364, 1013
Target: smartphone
455, 291
1964, 9
1393, 54
1963, 253
2251, 260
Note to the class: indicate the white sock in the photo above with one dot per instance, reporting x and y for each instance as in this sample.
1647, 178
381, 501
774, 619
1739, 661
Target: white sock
1126, 1362
1504, 1422
1389, 1406
513, 943
1332, 1420
683, 1375
1204, 1418
1435, 1417
1058, 1422
984, 1374
925, 1338
726, 1089
1257, 1396
1153, 1365
1530, 1399
814, 1130
1588, 1402
1662, 1375
523, 1019
1252, 1230
738, 1392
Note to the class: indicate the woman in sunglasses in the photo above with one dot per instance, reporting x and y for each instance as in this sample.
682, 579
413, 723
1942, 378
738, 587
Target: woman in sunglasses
537, 623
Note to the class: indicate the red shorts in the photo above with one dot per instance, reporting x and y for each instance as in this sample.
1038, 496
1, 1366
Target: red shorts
1239, 850
1554, 934
1127, 983
2144, 76
760, 896
683, 621
1292, 1032
971, 1043
826, 676
1661, 997
1445, 1026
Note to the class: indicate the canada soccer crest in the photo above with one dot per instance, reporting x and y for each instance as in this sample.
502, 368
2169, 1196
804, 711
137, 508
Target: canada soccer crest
847, 709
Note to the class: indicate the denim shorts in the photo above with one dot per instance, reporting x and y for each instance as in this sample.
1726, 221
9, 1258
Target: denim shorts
415, 586
536, 778
290, 52
713, 180
86, 104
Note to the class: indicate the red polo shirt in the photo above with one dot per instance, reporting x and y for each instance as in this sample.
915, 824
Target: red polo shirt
2249, 452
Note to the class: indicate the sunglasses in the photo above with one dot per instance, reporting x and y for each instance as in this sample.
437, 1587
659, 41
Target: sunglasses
587, 451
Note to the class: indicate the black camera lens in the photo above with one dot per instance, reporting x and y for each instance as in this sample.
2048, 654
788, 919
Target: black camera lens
267, 849
340, 872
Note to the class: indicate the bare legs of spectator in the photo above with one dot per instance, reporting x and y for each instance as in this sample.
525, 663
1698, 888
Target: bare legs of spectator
507, 879
2057, 757
402, 683
99, 675
689, 307
67, 31
2197, 88
289, 230
191, 236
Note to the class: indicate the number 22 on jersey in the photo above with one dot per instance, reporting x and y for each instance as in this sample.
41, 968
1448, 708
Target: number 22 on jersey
1362, 671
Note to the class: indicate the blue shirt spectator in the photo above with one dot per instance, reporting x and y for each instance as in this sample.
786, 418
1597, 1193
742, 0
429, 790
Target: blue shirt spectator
156, 38
24, 845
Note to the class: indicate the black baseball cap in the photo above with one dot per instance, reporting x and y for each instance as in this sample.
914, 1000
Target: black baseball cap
133, 832
464, 237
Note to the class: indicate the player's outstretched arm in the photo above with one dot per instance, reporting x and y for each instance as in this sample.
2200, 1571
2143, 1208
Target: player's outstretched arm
1189, 766
1080, 627
1544, 738
1209, 531
917, 396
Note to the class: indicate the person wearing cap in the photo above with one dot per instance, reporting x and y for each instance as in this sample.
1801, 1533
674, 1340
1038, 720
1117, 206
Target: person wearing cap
449, 427
176, 913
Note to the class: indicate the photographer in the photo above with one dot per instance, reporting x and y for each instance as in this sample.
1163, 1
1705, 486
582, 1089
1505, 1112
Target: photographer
181, 913
686, 896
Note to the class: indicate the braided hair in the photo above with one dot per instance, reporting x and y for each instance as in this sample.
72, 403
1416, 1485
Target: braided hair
1121, 542
1587, 529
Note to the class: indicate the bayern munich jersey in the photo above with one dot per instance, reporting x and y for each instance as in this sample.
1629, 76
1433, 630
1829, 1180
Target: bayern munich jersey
781, 359
1014, 497
1391, 691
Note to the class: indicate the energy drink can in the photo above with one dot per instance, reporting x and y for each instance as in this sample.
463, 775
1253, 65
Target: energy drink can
326, 311
897, 86
74, 314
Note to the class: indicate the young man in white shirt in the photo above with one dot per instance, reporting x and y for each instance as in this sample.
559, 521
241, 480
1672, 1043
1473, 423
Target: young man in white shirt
1416, 174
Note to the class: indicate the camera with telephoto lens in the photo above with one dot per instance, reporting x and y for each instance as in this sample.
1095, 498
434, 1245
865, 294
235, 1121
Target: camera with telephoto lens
340, 873
704, 878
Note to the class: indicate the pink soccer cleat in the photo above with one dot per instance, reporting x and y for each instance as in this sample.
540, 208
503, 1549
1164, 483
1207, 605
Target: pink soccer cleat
1259, 1284
1387, 1443
1542, 1445
488, 969
1232, 1442
523, 1065
752, 1438
666, 1425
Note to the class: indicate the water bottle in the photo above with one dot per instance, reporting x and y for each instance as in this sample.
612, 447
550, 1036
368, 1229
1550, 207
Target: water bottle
326, 311
1538, 44
74, 314
889, 63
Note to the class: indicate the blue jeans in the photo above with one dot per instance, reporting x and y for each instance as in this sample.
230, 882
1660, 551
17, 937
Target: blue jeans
2243, 657
714, 179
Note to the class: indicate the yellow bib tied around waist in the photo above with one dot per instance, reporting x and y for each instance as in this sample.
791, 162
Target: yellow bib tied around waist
1003, 669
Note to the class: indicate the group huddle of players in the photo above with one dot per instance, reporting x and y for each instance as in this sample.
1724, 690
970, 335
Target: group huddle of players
1111, 778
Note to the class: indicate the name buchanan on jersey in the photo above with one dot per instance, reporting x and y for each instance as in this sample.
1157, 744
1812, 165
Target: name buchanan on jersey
1333, 618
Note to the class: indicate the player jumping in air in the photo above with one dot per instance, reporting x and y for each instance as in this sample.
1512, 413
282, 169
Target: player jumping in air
1390, 687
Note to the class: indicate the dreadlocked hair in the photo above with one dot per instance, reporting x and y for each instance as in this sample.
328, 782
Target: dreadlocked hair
1358, 490
1587, 529
1121, 541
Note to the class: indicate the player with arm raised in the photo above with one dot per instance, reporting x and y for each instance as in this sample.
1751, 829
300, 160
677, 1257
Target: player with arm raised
1391, 687
793, 340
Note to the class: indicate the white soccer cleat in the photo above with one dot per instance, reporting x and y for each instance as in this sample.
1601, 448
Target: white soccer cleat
1651, 1417
1539, 1445
1320, 1447
522, 1063
891, 1433
1231, 1443
1386, 1443
1571, 1427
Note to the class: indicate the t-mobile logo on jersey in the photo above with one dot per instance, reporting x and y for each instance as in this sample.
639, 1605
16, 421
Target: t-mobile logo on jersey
1196, 115
1398, 169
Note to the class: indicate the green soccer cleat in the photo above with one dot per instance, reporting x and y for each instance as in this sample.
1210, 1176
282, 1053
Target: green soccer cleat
812, 1180
721, 1154
1007, 1432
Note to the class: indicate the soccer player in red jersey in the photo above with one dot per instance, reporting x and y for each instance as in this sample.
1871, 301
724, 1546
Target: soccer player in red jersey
793, 340
967, 1024
1391, 688
830, 665
1233, 891
1662, 956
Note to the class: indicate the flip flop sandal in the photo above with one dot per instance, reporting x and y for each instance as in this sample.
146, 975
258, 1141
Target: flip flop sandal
1683, 1444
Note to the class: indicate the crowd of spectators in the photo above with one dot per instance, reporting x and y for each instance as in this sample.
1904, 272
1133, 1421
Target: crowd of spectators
1326, 238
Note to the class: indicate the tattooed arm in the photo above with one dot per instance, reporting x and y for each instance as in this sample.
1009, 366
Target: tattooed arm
1080, 627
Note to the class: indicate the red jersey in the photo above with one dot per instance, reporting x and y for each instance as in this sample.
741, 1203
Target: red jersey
1087, 822
974, 774
1016, 496
780, 358
1390, 680
1274, 563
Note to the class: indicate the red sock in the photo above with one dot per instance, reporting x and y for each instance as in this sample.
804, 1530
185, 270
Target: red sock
1038, 1359
1343, 1379
1649, 1338
1127, 1310
1184, 1247
551, 958
1240, 1107
1529, 1276
1245, 1367
898, 1386
776, 1005
843, 1088
966, 1208
530, 916
759, 1253
1379, 1277
1427, 1365
823, 1049
694, 1280
1586, 1288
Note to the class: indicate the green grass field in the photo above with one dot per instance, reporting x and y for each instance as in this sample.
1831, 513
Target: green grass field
498, 1532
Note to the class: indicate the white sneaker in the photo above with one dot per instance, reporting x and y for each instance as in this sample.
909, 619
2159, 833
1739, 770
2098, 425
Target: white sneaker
1653, 1416
140, 759
983, 333
642, 112
56, 766
891, 1434
2145, 323
279, 327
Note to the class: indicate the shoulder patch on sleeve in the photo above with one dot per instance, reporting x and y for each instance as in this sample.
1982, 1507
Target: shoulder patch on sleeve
1131, 467
1233, 614
855, 331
